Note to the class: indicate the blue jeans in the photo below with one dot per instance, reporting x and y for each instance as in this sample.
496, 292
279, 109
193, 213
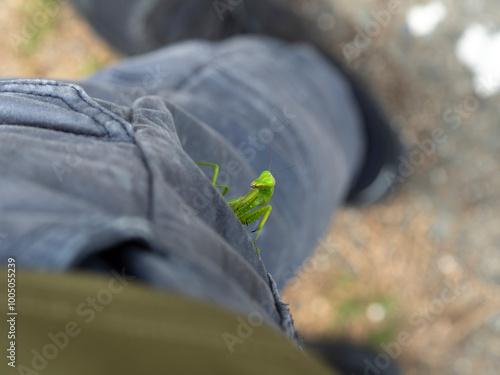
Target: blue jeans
101, 174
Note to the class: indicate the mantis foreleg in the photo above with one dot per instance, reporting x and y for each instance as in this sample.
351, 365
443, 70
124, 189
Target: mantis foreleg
242, 204
252, 216
242, 207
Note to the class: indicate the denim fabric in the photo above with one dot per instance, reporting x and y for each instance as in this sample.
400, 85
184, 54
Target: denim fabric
108, 167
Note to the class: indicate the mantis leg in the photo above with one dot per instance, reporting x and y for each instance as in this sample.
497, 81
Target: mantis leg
252, 216
214, 178
242, 205
234, 202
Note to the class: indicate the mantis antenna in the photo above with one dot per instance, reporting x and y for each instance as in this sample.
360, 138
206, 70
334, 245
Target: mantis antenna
271, 163
281, 170
272, 146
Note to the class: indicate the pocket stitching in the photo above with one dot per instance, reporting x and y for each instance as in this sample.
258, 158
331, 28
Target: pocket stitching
79, 93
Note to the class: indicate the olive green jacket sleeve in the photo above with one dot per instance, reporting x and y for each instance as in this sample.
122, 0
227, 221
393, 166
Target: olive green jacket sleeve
78, 323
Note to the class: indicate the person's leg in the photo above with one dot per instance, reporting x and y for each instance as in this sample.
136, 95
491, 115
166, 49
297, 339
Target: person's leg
104, 181
266, 99
249, 89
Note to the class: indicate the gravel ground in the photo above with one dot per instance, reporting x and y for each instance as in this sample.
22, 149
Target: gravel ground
419, 273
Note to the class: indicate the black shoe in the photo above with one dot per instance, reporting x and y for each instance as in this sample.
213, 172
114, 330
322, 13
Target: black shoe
349, 359
134, 27
376, 178
144, 26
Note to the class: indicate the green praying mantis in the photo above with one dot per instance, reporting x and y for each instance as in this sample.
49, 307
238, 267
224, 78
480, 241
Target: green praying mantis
261, 191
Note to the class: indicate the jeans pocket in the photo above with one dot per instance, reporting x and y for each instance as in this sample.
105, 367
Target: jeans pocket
60, 107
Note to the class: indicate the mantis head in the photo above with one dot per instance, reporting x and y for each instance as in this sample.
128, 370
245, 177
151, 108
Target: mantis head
265, 180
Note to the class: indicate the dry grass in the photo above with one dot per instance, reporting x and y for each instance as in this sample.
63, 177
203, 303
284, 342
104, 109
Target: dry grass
47, 38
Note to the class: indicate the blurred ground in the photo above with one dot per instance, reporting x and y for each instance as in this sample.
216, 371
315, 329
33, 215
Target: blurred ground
419, 274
